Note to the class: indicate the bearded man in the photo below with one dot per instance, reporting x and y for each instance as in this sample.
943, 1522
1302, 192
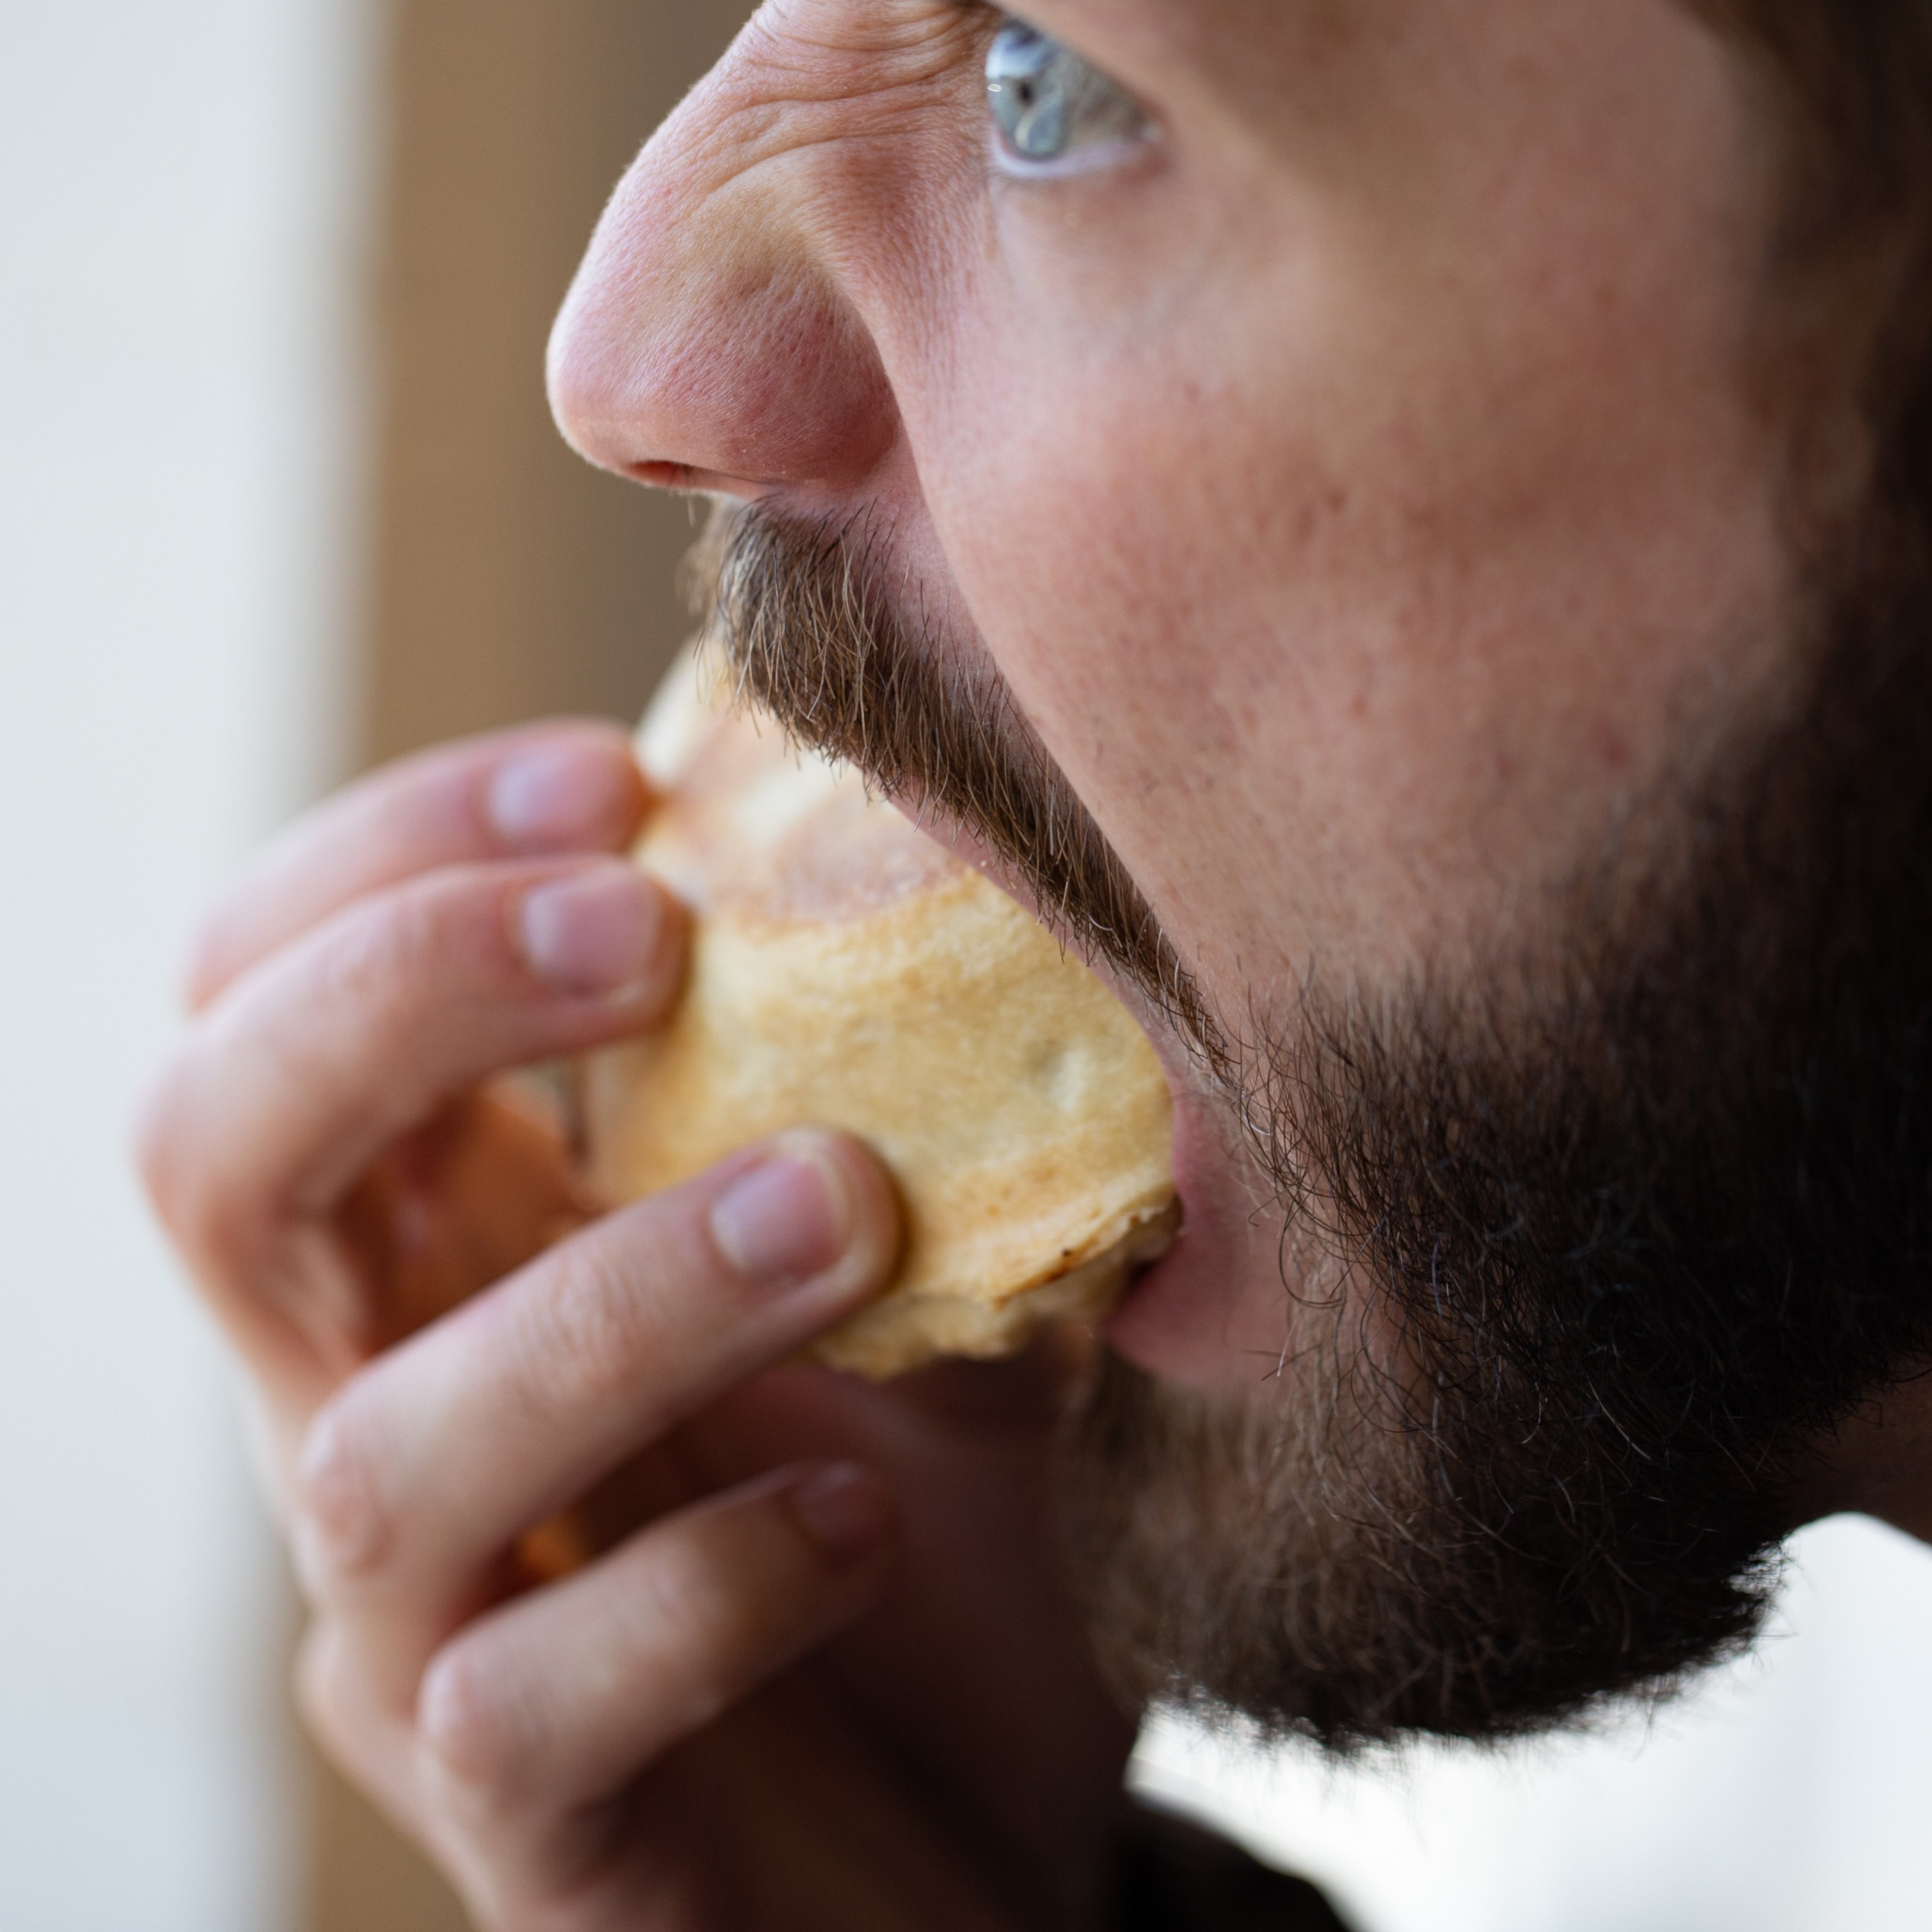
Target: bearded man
1401, 528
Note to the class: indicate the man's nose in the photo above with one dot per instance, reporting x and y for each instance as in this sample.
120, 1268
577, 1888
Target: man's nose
707, 343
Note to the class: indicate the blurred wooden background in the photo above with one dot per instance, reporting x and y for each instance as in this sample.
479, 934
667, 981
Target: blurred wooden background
506, 579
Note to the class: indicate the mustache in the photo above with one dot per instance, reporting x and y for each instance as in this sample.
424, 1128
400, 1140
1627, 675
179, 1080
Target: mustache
801, 611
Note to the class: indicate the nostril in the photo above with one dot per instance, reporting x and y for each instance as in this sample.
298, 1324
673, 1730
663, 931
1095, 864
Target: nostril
664, 475
694, 481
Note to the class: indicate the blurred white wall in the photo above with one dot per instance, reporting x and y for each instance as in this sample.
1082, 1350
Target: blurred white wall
1791, 1792
180, 191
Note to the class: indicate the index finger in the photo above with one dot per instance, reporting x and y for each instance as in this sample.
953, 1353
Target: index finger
542, 790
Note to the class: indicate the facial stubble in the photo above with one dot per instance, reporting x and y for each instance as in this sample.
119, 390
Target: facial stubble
1591, 1274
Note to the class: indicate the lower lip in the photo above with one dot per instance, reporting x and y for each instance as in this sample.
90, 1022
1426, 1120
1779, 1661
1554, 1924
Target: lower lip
1183, 1319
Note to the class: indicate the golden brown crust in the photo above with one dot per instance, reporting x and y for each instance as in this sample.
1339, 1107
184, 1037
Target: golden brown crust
846, 972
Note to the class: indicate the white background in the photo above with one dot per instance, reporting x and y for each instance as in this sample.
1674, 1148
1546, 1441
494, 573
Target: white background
1791, 1792
180, 192
178, 187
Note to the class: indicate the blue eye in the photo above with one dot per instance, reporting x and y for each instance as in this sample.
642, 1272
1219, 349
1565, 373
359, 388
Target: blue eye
1049, 105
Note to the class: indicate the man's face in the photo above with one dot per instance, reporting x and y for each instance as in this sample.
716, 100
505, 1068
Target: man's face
1355, 484
1349, 488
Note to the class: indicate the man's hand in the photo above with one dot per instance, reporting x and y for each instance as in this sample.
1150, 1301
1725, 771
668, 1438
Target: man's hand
821, 1672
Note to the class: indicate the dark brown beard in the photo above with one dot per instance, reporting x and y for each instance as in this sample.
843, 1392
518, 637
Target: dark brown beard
1608, 1265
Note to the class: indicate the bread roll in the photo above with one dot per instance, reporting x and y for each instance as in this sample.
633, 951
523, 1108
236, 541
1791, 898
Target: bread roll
847, 972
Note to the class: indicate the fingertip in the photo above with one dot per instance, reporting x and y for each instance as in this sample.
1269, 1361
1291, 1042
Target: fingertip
544, 791
214, 958
569, 788
847, 1513
604, 930
458, 1717
338, 1527
809, 1208
323, 1685
878, 1215
651, 997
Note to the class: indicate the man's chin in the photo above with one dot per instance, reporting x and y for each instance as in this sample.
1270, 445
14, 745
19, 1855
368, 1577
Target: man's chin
1293, 1562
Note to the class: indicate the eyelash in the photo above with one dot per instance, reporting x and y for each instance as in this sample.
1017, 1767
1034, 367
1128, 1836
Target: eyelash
1089, 91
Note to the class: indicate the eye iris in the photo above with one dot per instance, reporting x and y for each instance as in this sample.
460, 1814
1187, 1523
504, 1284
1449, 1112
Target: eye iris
1026, 86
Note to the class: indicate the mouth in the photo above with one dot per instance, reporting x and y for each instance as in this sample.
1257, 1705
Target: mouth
817, 632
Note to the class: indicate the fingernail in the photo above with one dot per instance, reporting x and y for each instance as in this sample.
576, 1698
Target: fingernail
785, 1221
597, 932
846, 1512
555, 796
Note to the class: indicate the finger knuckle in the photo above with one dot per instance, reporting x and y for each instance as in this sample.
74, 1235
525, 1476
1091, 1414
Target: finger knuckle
598, 1322
182, 1176
390, 942
698, 1623
342, 1523
471, 1719
209, 960
158, 1129
326, 1698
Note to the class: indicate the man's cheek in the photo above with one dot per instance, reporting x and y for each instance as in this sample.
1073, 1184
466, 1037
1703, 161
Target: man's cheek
1201, 625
